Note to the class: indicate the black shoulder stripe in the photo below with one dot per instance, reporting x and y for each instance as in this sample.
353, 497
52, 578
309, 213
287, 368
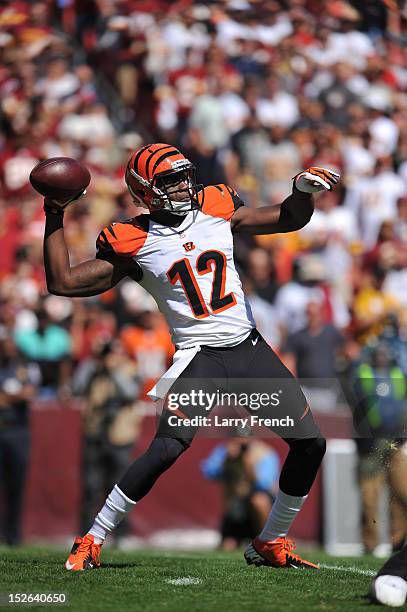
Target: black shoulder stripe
237, 200
111, 231
164, 156
160, 159
104, 249
101, 241
102, 236
219, 188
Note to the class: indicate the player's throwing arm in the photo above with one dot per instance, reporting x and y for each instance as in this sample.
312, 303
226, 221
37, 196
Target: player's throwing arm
62, 181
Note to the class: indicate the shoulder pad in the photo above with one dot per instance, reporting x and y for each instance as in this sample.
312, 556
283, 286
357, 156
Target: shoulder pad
221, 201
124, 238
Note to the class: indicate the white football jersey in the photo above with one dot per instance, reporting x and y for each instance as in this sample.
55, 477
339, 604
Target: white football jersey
189, 270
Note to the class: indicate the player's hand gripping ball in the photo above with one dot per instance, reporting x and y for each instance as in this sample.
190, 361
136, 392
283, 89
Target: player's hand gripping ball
316, 179
61, 180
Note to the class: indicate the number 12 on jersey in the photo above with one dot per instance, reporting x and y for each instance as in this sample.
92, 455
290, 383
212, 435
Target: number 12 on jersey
209, 261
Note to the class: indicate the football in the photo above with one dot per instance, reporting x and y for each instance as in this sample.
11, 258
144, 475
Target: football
60, 178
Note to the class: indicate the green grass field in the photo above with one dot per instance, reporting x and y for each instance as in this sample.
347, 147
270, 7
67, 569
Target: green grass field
151, 581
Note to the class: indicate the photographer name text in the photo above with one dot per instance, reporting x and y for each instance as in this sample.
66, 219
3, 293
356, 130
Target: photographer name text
218, 421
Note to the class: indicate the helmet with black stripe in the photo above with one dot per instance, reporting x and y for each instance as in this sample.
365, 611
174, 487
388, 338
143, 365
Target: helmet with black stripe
162, 178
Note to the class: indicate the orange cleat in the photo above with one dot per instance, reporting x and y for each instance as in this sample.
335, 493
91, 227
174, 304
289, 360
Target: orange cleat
85, 554
276, 553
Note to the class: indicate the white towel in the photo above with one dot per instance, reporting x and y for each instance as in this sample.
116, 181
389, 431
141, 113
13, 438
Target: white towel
182, 358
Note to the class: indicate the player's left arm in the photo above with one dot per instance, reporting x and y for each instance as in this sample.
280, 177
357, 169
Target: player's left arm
293, 213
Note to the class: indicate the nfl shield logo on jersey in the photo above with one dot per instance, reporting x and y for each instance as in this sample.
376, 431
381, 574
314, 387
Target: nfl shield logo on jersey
189, 246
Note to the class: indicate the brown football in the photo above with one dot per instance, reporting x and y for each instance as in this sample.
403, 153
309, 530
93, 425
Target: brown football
60, 178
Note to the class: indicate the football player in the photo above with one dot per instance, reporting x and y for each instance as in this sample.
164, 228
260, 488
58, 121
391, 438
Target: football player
181, 251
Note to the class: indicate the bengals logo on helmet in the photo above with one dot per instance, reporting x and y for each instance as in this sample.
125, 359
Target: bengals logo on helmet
148, 170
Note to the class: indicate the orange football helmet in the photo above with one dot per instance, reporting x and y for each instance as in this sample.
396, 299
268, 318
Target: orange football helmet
157, 172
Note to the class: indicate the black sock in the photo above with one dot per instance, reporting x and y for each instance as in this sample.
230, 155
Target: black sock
301, 465
396, 565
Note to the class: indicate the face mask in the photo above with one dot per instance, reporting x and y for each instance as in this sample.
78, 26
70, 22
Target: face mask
173, 185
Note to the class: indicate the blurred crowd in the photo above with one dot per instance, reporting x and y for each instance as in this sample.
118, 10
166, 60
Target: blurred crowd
252, 92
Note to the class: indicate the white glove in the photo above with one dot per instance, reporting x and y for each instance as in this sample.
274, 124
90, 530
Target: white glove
316, 179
